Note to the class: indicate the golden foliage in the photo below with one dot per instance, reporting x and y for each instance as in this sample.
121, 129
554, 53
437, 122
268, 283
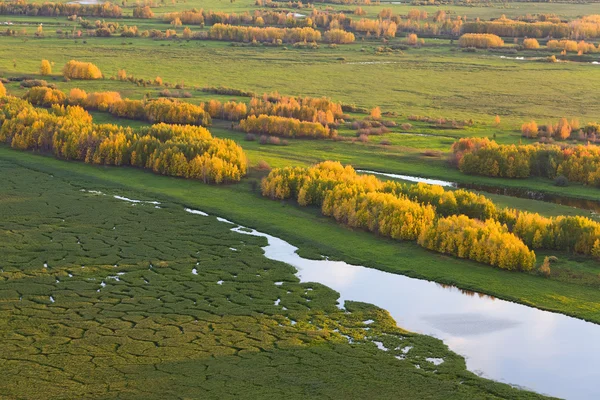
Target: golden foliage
81, 70
178, 150
267, 34
404, 212
531, 43
282, 126
45, 68
480, 40
339, 36
45, 96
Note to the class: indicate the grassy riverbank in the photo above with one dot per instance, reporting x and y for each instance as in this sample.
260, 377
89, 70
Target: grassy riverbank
105, 298
572, 289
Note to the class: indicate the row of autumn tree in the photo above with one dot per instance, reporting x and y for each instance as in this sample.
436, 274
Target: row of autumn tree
386, 24
155, 111
585, 27
364, 202
20, 7
481, 156
310, 109
69, 133
456, 222
280, 116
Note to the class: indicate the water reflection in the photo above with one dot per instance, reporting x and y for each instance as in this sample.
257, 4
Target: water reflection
465, 291
409, 178
546, 352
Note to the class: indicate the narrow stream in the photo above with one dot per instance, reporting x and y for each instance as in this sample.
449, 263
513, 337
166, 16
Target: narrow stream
583, 204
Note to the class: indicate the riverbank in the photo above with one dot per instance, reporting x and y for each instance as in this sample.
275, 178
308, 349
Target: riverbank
572, 290
111, 292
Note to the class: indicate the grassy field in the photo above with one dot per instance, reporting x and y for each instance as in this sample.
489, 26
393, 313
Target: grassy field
572, 289
103, 298
433, 81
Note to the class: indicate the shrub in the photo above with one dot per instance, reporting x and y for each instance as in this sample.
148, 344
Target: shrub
44, 96
480, 40
29, 83
45, 68
545, 267
263, 166
339, 36
561, 181
274, 140
531, 44
81, 70
529, 129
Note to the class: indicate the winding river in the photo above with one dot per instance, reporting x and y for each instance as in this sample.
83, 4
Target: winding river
546, 352
542, 351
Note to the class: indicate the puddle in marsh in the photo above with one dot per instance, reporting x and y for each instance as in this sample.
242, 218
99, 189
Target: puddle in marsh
583, 204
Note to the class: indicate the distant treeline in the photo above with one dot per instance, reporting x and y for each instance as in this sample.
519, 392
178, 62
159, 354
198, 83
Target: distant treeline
584, 27
106, 10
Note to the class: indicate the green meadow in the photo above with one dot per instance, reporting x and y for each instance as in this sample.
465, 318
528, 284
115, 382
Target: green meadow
102, 298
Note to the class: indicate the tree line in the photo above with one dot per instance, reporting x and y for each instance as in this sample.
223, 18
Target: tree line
310, 186
257, 18
585, 27
105, 10
154, 110
282, 126
267, 34
307, 109
69, 133
572, 46
579, 163
365, 202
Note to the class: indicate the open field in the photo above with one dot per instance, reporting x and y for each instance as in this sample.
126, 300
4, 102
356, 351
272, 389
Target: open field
102, 296
572, 290
107, 298
429, 81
